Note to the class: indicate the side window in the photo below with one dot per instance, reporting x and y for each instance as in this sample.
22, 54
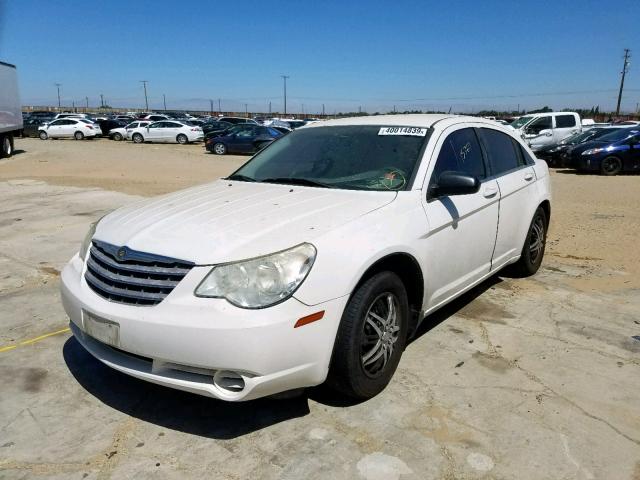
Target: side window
542, 123
565, 121
503, 156
460, 152
526, 156
246, 132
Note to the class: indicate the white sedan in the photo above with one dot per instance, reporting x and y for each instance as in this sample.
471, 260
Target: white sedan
167, 131
314, 262
77, 128
125, 132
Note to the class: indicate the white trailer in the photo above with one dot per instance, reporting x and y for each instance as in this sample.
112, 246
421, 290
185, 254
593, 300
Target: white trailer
10, 108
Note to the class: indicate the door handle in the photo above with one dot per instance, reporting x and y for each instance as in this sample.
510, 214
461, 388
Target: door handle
528, 176
489, 192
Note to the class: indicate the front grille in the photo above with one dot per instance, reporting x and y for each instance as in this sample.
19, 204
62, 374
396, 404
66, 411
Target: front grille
122, 275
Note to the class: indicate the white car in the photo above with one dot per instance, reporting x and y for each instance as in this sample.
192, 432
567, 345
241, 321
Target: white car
125, 132
313, 262
549, 128
77, 128
155, 117
168, 131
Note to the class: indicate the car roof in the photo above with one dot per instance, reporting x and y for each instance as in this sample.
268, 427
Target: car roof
407, 120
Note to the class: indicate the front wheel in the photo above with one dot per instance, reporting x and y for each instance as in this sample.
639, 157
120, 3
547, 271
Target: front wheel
43, 135
611, 166
371, 337
117, 136
182, 139
219, 149
78, 135
137, 138
534, 245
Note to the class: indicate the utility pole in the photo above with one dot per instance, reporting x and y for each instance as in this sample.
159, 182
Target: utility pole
87, 103
246, 113
219, 108
58, 85
164, 101
210, 107
284, 77
101, 100
625, 69
73, 106
146, 100
323, 109
269, 107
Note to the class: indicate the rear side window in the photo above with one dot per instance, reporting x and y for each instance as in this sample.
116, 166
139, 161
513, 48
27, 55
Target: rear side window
460, 152
503, 156
565, 121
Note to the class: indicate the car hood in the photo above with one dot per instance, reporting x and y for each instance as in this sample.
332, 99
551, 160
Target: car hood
581, 147
230, 220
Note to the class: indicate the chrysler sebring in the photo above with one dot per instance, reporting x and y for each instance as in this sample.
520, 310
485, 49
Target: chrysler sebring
314, 262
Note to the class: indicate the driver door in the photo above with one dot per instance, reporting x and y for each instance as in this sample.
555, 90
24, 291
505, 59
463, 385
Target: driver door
155, 132
539, 133
462, 228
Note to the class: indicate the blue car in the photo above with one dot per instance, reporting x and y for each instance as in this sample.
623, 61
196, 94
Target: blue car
610, 154
244, 138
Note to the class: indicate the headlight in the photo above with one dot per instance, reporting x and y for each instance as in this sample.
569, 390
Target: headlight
86, 243
592, 151
259, 282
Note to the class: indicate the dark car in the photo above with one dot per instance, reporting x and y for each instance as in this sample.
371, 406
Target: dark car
107, 125
213, 127
556, 155
236, 120
613, 153
31, 124
242, 139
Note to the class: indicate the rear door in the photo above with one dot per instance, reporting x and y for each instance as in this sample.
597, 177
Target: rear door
171, 131
68, 127
516, 178
244, 138
565, 125
463, 227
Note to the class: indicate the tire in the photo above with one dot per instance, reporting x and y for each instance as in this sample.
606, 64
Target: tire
117, 137
219, 148
611, 166
6, 143
182, 139
361, 366
533, 248
137, 138
43, 135
78, 135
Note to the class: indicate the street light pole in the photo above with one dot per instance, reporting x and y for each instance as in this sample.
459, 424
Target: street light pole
284, 77
146, 100
58, 85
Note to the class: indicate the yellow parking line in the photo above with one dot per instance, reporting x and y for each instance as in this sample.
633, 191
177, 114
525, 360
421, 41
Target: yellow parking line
34, 340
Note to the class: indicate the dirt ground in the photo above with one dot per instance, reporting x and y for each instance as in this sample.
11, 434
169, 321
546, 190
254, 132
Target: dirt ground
535, 378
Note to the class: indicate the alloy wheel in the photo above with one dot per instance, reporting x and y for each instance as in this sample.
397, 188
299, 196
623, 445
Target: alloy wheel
536, 242
380, 333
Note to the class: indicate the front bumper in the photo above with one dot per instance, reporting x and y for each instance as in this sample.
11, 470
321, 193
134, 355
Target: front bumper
185, 341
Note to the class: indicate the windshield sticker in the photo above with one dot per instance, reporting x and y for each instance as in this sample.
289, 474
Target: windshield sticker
410, 131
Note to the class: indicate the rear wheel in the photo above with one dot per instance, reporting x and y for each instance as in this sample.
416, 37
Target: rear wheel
534, 245
7, 146
182, 139
78, 135
611, 166
137, 138
219, 149
43, 135
371, 337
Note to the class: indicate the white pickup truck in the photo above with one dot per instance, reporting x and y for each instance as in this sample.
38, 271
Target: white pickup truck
542, 129
10, 109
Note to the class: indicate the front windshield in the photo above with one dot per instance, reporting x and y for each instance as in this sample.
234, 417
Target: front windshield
353, 157
520, 122
618, 135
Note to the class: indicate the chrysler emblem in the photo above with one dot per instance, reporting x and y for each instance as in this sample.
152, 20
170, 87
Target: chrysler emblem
122, 252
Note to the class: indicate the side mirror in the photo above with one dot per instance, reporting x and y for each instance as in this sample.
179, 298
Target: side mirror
454, 183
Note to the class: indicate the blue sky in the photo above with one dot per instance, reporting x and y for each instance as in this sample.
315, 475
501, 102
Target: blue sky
467, 55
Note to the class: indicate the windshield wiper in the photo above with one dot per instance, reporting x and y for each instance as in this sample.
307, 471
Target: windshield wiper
241, 178
297, 181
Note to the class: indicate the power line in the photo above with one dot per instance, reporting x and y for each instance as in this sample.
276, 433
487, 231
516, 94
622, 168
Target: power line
625, 69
